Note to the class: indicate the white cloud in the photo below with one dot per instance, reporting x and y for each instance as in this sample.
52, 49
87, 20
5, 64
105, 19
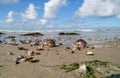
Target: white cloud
30, 13
8, 1
100, 8
52, 7
43, 21
10, 17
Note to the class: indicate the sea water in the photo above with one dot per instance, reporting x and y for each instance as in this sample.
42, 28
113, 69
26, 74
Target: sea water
91, 36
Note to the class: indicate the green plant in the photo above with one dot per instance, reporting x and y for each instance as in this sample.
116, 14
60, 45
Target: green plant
97, 63
70, 67
90, 72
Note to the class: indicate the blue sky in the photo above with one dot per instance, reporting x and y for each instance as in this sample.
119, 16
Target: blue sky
59, 14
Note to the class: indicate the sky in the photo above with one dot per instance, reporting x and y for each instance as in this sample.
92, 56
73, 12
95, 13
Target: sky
59, 14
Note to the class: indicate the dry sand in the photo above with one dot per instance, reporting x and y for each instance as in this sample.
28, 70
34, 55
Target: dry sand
51, 59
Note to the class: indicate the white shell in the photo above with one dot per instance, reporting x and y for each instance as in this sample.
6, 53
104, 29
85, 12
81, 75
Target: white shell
22, 60
89, 53
82, 70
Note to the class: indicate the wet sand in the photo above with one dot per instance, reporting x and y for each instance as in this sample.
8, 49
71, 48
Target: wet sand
51, 59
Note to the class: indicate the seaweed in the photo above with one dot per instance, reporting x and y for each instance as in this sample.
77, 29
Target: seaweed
90, 73
70, 67
97, 63
70, 33
1, 33
92, 67
10, 37
32, 34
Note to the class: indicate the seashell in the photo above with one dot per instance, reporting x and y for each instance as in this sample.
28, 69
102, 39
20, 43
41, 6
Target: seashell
20, 56
81, 71
108, 46
29, 59
67, 48
10, 53
30, 53
89, 53
22, 60
19, 59
21, 48
75, 48
115, 43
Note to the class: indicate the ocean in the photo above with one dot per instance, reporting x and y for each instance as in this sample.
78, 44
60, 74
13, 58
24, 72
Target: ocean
91, 36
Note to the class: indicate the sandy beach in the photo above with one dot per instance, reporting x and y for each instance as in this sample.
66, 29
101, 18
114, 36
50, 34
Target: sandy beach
49, 60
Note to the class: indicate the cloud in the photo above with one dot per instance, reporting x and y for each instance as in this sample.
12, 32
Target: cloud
52, 7
99, 8
30, 13
43, 21
8, 1
10, 17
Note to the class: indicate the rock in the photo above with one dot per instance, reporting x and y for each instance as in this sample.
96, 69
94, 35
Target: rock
49, 43
80, 43
81, 71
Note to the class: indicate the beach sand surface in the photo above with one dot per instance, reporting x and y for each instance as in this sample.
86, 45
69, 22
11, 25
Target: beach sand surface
51, 59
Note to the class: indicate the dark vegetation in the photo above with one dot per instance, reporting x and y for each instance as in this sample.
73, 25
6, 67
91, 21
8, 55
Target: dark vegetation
1, 33
10, 37
70, 67
32, 34
68, 33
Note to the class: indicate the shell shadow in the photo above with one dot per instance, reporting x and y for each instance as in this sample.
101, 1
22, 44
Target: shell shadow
35, 61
